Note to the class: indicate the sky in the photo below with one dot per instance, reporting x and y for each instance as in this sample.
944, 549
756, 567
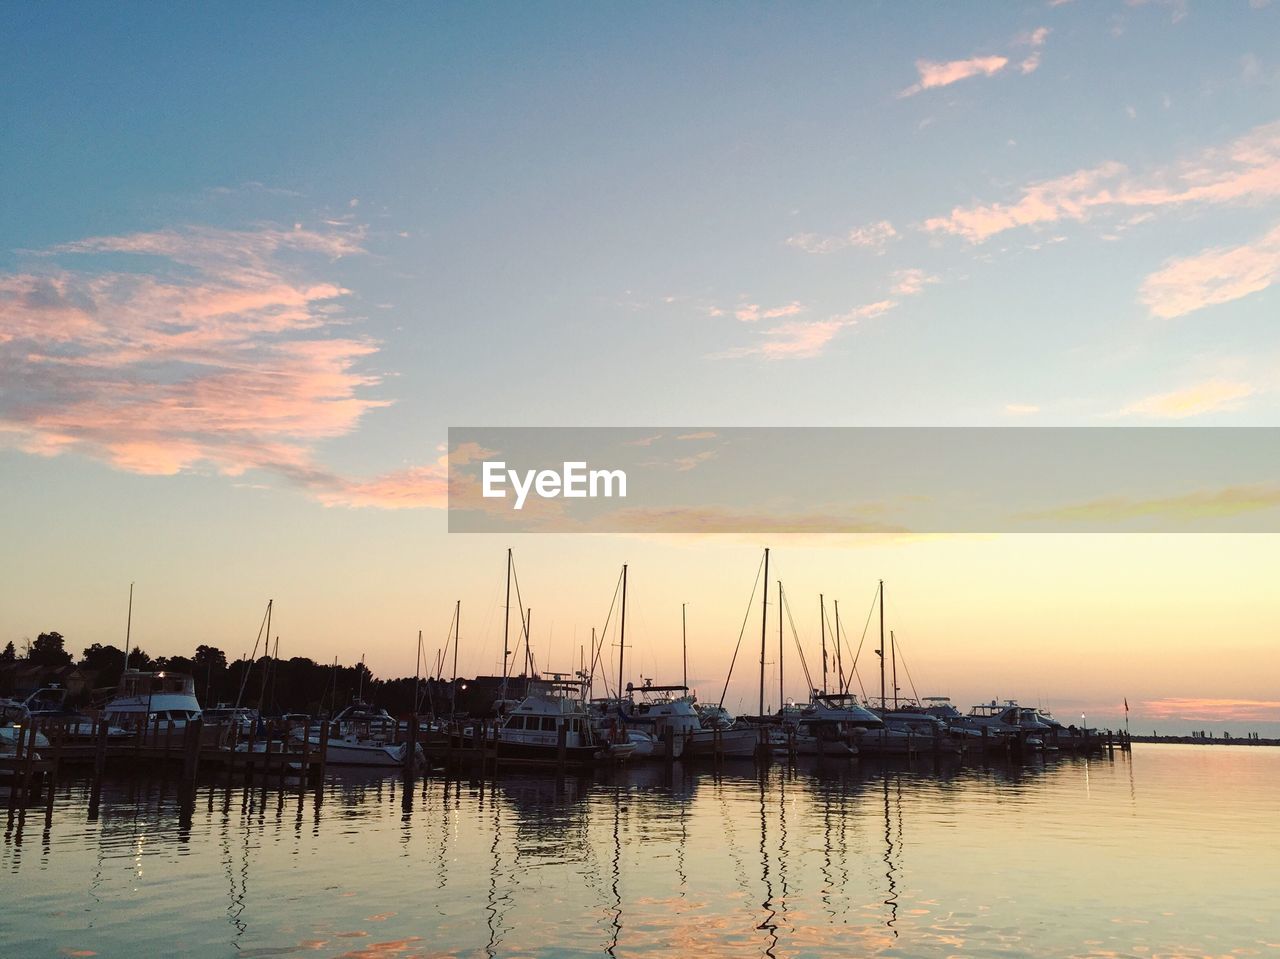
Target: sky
254, 264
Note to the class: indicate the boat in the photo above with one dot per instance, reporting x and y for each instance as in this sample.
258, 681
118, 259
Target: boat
241, 718
1007, 720
608, 716
926, 731
148, 697
827, 726
533, 731
49, 704
362, 735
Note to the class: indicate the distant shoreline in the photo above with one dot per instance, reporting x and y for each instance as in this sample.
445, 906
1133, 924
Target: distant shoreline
1203, 741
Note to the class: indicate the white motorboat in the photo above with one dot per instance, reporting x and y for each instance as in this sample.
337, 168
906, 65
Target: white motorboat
691, 737
364, 736
828, 726
145, 697
554, 708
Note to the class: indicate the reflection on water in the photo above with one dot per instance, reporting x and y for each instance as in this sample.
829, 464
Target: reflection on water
1165, 853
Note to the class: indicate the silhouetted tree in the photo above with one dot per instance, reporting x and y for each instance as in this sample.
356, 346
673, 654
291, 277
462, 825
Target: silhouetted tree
48, 650
9, 655
210, 657
106, 662
140, 660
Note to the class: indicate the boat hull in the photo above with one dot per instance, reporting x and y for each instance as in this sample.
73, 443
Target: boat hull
734, 743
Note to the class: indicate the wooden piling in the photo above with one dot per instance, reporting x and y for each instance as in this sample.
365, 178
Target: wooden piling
29, 762
100, 753
411, 747
324, 753
306, 752
191, 750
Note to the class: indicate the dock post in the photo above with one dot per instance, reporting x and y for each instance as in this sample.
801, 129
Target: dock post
669, 744
306, 754
562, 734
29, 762
324, 754
411, 747
266, 755
100, 754
61, 730
192, 739
17, 766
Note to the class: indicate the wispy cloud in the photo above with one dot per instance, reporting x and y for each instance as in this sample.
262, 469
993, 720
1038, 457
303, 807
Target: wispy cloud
1021, 409
1035, 40
1178, 9
1209, 710
694, 460
725, 519
1210, 396
873, 236
911, 282
1213, 277
806, 339
752, 312
1204, 504
200, 348
1246, 170
934, 74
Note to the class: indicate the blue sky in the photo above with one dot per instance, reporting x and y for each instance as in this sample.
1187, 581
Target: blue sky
598, 215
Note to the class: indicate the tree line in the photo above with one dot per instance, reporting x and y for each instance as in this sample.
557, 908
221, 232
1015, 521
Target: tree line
274, 686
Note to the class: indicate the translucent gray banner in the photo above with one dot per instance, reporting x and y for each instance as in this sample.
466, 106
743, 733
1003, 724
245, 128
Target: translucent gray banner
864, 480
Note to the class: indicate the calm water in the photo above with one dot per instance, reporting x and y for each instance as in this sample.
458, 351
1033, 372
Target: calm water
1170, 853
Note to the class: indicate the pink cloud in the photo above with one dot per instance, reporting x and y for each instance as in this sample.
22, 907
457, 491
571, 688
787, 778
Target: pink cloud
953, 71
911, 282
803, 339
213, 350
751, 312
873, 236
1213, 277
1245, 170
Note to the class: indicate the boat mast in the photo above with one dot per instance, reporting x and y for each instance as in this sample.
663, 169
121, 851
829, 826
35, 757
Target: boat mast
893, 653
822, 619
684, 645
764, 625
622, 631
781, 700
266, 652
839, 656
528, 653
128, 629
457, 629
506, 628
417, 676
882, 644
